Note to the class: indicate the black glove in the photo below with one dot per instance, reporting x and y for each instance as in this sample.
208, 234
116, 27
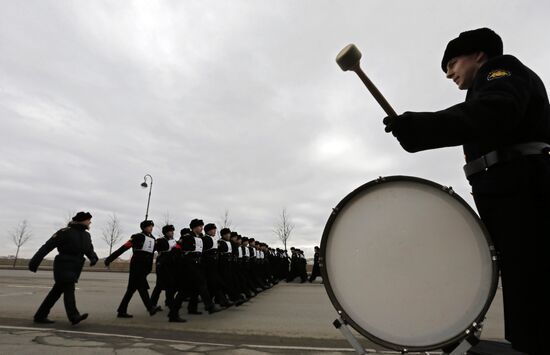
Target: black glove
406, 129
93, 262
33, 267
106, 262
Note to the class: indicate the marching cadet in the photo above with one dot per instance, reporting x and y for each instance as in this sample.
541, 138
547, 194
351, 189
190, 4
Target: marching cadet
192, 280
302, 266
242, 254
254, 268
216, 286
72, 243
228, 268
249, 265
293, 273
316, 271
164, 266
141, 264
504, 128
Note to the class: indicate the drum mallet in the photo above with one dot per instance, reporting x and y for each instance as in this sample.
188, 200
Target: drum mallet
348, 59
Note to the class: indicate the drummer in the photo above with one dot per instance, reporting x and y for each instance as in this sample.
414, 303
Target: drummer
504, 128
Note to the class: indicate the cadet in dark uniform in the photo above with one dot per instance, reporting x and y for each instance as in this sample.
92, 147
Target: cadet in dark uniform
228, 270
293, 273
504, 128
141, 264
72, 243
242, 255
302, 268
192, 279
216, 286
164, 267
316, 271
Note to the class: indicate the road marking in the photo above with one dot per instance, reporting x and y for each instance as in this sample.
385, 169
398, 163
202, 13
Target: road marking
279, 347
282, 347
16, 294
34, 286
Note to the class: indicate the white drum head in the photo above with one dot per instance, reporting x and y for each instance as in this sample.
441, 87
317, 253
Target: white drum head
408, 264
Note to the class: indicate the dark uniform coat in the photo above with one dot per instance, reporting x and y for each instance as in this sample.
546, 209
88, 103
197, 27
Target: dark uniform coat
72, 243
141, 263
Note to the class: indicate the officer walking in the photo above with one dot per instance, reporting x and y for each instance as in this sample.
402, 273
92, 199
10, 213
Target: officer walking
141, 264
504, 128
72, 243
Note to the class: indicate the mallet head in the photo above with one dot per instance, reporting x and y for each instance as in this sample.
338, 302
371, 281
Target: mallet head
349, 57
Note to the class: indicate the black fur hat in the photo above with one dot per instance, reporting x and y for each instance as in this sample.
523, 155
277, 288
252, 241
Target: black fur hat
82, 216
209, 227
146, 224
168, 228
468, 42
195, 223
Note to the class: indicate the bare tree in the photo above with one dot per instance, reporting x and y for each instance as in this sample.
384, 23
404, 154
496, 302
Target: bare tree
112, 232
20, 236
68, 218
284, 227
226, 220
167, 219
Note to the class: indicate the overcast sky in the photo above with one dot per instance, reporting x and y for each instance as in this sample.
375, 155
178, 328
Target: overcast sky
235, 105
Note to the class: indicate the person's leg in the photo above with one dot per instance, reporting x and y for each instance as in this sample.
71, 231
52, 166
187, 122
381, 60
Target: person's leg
515, 209
48, 302
144, 294
70, 301
156, 294
123, 307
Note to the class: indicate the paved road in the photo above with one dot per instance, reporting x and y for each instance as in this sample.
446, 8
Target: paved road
289, 318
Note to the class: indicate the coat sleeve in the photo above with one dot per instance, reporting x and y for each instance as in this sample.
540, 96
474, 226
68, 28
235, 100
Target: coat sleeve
118, 252
44, 250
496, 109
90, 253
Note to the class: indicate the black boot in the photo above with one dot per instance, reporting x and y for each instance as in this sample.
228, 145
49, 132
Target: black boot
79, 318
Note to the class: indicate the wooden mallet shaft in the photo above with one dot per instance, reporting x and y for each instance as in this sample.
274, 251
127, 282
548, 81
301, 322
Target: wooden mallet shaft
349, 59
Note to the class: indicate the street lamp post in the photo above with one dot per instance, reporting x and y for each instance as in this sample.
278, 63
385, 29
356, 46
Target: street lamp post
144, 185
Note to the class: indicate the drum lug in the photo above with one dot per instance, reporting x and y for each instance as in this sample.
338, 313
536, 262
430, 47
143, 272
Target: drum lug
380, 179
335, 210
448, 190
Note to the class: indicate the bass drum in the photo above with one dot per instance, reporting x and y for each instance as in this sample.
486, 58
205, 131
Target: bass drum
408, 264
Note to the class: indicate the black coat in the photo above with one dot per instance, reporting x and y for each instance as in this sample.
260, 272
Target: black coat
141, 263
72, 243
506, 104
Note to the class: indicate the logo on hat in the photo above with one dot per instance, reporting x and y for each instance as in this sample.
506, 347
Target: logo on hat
499, 73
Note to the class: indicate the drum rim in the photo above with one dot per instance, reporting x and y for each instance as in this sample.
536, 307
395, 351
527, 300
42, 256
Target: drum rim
342, 312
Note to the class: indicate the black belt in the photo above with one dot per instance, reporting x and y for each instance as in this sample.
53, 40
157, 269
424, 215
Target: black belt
503, 155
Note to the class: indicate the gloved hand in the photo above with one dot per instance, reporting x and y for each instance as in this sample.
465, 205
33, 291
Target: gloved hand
93, 262
106, 262
404, 127
33, 267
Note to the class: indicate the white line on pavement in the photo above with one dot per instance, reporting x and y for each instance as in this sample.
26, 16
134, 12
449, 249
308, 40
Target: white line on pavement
34, 286
282, 347
279, 347
16, 294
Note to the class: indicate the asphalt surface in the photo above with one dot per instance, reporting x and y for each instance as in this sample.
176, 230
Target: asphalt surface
289, 318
